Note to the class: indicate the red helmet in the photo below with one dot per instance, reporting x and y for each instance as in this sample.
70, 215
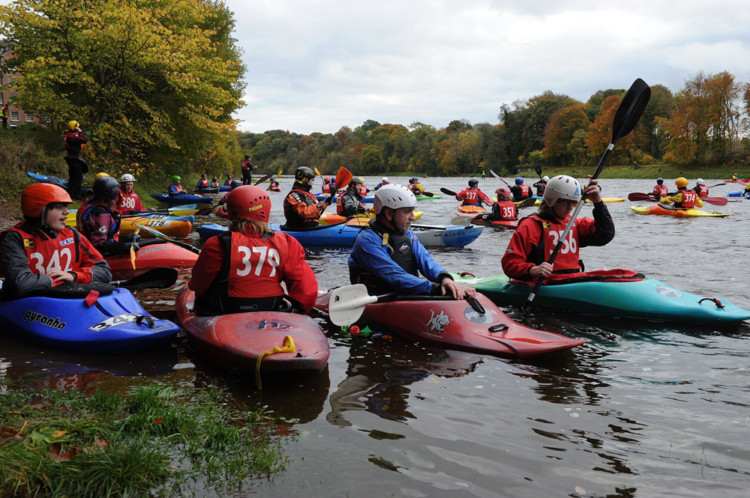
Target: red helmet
249, 202
37, 196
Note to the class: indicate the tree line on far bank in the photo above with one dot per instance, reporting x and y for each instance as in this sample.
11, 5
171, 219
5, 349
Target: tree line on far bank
703, 124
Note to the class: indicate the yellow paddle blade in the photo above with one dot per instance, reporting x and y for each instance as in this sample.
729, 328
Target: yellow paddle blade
132, 256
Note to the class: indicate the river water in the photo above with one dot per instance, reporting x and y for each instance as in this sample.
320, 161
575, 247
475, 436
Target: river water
639, 410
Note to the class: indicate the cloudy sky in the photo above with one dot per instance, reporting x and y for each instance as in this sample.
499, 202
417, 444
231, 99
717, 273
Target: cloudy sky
319, 65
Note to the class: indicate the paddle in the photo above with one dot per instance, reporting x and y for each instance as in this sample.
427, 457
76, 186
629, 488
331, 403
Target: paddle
155, 278
343, 178
717, 185
538, 170
638, 196
526, 203
627, 116
448, 192
427, 194
159, 235
498, 177
264, 178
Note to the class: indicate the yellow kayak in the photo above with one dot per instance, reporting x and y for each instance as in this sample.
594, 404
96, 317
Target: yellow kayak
328, 218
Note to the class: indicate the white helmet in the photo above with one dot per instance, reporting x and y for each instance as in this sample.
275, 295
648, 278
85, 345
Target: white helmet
127, 177
385, 179
562, 187
393, 196
545, 179
701, 182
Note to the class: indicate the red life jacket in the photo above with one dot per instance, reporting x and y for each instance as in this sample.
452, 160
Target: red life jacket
362, 190
470, 197
525, 190
660, 191
203, 183
46, 254
567, 259
253, 265
128, 202
508, 210
703, 190
688, 199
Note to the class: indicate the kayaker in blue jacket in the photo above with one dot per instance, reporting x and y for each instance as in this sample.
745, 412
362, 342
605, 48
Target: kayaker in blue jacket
387, 256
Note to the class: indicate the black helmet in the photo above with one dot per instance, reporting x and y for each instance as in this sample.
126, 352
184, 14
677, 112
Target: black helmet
234, 184
302, 175
106, 188
356, 181
215, 179
473, 182
659, 181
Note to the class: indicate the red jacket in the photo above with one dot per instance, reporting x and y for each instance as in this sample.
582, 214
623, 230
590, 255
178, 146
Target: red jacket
473, 197
258, 266
128, 203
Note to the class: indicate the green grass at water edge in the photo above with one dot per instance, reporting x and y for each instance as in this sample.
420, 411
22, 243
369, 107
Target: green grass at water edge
156, 439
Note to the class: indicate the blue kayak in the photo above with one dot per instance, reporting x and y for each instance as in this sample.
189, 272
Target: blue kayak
739, 193
183, 199
213, 190
342, 235
647, 299
115, 322
55, 180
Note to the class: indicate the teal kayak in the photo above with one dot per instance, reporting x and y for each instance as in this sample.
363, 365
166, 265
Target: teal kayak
648, 299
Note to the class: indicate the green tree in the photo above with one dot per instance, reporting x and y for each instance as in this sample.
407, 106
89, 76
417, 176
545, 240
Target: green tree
150, 81
561, 129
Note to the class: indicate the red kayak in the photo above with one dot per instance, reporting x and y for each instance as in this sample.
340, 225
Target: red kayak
151, 256
458, 324
282, 341
469, 211
512, 224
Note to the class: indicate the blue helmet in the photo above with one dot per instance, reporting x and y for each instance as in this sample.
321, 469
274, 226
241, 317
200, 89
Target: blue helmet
519, 181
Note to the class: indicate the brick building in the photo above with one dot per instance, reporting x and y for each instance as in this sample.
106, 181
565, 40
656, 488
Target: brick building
16, 115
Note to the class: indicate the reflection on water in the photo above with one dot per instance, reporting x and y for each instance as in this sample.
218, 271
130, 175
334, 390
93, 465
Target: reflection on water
639, 410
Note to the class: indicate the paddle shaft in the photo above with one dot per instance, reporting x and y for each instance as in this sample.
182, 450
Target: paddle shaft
628, 113
158, 234
155, 278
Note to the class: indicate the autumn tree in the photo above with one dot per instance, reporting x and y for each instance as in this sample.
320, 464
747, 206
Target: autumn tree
561, 129
151, 82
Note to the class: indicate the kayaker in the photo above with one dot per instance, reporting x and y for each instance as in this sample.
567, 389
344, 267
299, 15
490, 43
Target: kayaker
242, 269
472, 196
176, 188
328, 186
700, 188
100, 221
350, 202
660, 190
363, 191
504, 209
384, 181
41, 252
540, 185
203, 182
734, 177
273, 185
228, 181
128, 201
535, 239
416, 186
74, 142
215, 183
247, 170
301, 208
387, 256
520, 190
683, 198
232, 186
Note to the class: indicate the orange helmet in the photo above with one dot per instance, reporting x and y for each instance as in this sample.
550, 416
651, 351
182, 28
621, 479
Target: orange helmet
37, 196
249, 202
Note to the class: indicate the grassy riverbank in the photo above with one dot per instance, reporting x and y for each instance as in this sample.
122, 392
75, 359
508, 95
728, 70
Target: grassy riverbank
155, 440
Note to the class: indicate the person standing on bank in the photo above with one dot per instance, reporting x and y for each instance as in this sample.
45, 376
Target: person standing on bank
77, 167
247, 170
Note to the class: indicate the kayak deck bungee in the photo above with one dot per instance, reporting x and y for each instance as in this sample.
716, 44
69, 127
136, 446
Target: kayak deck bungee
656, 209
647, 299
237, 341
343, 235
115, 322
183, 199
151, 256
458, 324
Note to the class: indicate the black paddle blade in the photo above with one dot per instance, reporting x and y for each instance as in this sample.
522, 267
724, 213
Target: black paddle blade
156, 278
631, 109
538, 170
448, 192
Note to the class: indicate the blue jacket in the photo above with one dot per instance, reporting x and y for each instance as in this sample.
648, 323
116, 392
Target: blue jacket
371, 256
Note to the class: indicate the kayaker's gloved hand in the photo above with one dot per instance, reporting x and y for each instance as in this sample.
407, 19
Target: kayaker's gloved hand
321, 205
329, 200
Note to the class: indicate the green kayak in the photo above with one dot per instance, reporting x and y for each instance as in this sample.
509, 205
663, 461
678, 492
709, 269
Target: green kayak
647, 299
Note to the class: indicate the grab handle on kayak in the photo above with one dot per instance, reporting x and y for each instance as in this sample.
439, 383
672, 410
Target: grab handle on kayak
498, 328
476, 305
716, 301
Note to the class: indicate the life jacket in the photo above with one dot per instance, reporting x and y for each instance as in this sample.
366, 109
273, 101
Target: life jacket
298, 196
362, 190
326, 189
399, 248
215, 184
567, 260
471, 197
85, 223
525, 190
127, 202
688, 199
203, 183
507, 210
702, 191
46, 253
661, 191
233, 291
